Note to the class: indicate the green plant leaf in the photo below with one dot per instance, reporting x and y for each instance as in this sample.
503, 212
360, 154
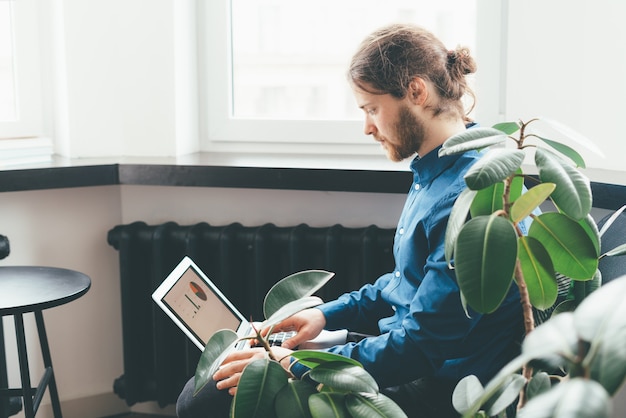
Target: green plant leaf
260, 382
214, 353
458, 216
580, 290
590, 226
619, 250
573, 190
506, 395
508, 128
471, 139
538, 384
496, 165
530, 200
601, 320
494, 386
489, 199
293, 399
369, 405
464, 305
312, 358
575, 398
611, 220
293, 287
565, 306
466, 394
328, 405
567, 151
538, 273
291, 308
485, 256
342, 376
570, 247
555, 336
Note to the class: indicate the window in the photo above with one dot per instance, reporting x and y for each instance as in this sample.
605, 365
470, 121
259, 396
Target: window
20, 82
275, 69
8, 111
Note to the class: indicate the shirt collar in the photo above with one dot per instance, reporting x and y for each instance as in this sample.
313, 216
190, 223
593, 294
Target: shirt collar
431, 165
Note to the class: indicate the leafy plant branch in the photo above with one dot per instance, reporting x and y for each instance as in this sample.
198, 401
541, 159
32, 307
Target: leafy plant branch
496, 235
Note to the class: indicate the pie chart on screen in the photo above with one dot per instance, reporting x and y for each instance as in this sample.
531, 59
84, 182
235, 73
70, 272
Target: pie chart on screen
197, 290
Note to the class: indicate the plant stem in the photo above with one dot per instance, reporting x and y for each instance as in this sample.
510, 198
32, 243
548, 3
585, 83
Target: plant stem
506, 196
264, 342
529, 324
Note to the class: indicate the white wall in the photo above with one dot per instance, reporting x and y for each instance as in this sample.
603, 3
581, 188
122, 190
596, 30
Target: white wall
255, 206
566, 61
67, 228
123, 68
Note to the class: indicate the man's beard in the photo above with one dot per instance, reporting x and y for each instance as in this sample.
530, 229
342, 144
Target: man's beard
410, 136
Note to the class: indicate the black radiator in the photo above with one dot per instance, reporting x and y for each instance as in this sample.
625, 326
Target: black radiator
158, 357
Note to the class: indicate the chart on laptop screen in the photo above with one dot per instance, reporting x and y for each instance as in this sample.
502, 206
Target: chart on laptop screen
198, 307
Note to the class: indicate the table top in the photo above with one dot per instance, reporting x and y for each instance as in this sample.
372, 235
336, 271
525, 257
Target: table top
31, 288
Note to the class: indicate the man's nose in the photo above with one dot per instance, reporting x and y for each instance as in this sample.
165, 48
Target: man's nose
369, 128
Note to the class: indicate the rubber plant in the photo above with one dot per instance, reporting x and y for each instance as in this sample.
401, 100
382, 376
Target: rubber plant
490, 251
334, 386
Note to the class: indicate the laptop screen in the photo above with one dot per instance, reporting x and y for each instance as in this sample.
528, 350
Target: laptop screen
198, 307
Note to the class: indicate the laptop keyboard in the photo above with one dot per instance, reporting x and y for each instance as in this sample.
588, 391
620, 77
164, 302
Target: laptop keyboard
278, 338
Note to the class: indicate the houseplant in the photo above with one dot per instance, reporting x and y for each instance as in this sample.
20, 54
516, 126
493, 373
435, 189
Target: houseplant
490, 251
335, 386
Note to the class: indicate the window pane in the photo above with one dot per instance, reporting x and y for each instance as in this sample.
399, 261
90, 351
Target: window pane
290, 57
8, 110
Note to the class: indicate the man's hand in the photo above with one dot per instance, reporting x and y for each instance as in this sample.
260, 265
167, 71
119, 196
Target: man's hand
307, 323
229, 373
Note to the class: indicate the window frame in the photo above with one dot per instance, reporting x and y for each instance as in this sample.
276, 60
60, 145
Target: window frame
28, 73
220, 132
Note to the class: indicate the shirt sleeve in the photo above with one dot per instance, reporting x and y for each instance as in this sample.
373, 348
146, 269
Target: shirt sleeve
427, 334
432, 332
358, 310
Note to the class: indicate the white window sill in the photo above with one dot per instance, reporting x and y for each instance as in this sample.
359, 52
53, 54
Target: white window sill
21, 151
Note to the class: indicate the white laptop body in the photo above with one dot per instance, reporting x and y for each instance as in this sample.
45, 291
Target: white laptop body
200, 309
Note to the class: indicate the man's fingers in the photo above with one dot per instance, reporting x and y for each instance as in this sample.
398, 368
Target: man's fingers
229, 382
294, 341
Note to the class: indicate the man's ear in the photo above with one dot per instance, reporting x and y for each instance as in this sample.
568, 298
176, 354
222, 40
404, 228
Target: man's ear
418, 93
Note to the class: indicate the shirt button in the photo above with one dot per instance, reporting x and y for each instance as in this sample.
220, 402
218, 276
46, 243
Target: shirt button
417, 186
397, 274
401, 231
393, 308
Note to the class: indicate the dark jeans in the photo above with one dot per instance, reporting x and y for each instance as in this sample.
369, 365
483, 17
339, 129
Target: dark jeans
423, 398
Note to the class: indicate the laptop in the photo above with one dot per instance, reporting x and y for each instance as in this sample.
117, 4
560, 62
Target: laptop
199, 309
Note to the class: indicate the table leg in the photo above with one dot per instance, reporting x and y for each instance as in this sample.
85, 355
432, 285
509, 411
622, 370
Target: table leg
24, 371
4, 379
47, 361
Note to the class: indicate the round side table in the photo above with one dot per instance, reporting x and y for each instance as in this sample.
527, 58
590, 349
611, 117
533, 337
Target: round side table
25, 289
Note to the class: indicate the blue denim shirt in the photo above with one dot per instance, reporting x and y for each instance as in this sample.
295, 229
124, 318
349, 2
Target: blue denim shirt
424, 330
